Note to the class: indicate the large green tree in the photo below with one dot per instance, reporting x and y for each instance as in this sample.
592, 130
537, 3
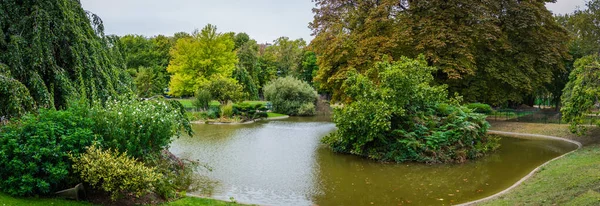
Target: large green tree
147, 57
307, 69
489, 51
51, 51
248, 69
197, 60
581, 93
287, 54
585, 40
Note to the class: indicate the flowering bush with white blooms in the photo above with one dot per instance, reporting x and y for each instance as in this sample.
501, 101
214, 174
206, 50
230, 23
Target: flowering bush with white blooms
142, 128
34, 150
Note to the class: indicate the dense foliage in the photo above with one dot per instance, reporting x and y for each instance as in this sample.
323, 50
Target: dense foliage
247, 82
581, 93
287, 55
291, 96
585, 35
114, 172
202, 99
146, 60
34, 151
176, 175
150, 81
224, 90
140, 128
308, 67
51, 51
406, 118
488, 51
480, 108
199, 59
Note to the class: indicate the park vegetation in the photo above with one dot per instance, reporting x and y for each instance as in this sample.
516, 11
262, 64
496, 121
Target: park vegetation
65, 54
291, 96
70, 112
75, 103
405, 117
494, 52
580, 94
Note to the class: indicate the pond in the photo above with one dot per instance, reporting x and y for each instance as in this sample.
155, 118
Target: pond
284, 163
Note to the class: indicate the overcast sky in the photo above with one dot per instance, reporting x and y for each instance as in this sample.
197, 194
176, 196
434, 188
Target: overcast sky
263, 20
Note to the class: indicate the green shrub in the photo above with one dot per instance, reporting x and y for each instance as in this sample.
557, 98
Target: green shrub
404, 117
258, 106
114, 172
307, 109
225, 90
142, 128
245, 110
263, 109
202, 99
480, 108
34, 151
227, 110
176, 175
262, 114
289, 94
212, 114
242, 108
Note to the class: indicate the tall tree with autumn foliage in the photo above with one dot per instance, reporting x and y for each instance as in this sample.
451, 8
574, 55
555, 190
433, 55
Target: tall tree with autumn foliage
488, 51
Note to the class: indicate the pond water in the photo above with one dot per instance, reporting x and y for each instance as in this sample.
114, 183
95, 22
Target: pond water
284, 163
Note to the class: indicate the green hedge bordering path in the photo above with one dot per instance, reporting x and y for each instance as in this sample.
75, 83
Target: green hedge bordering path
494, 199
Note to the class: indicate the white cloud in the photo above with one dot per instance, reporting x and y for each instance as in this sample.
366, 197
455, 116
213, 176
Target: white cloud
565, 6
263, 20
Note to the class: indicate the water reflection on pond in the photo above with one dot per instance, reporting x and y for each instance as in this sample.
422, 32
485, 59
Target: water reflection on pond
284, 163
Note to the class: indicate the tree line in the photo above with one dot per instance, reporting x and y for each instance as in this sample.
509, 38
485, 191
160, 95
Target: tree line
186, 62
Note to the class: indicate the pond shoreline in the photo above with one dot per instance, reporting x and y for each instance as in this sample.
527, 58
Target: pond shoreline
534, 171
240, 123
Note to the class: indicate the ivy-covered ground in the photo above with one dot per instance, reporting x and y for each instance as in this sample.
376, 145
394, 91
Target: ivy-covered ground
571, 180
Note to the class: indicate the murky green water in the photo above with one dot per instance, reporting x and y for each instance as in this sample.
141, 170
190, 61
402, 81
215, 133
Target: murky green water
283, 163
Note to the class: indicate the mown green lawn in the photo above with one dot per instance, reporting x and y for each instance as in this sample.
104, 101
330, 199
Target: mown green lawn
271, 114
6, 200
192, 201
571, 180
12, 201
188, 103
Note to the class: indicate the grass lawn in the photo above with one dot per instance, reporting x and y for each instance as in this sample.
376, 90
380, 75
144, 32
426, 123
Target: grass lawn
558, 130
571, 180
188, 103
6, 200
191, 201
271, 114
254, 103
